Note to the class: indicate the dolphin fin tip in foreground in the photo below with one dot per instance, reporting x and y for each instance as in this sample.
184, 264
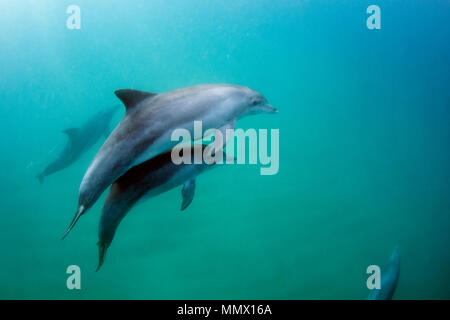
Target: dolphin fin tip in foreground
390, 275
74, 221
187, 193
40, 177
101, 254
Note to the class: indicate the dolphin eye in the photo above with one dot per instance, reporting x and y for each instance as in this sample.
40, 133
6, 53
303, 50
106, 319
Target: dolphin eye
255, 102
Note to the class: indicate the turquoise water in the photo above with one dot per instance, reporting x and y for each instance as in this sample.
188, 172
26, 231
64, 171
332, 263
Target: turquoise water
364, 148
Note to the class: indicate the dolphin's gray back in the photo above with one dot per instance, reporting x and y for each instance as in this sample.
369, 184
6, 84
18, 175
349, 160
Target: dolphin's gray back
144, 132
175, 108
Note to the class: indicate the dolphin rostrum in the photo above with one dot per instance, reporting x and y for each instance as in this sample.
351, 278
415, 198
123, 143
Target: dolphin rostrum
149, 121
144, 181
80, 140
389, 278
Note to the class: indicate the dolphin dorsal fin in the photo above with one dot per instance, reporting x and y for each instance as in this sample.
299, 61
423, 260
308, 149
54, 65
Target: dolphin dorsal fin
131, 97
71, 133
188, 193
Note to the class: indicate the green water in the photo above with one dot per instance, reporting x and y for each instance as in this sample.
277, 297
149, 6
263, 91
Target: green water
364, 148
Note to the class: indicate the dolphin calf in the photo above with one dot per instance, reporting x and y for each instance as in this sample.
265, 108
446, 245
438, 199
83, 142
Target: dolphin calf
149, 121
144, 181
389, 278
79, 141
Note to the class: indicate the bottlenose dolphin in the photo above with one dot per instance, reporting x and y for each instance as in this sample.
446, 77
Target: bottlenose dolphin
149, 121
144, 181
389, 278
80, 140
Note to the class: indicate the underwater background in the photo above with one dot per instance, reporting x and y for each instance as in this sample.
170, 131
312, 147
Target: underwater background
364, 120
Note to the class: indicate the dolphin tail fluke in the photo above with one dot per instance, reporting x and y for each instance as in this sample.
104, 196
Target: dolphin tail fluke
40, 177
74, 221
101, 254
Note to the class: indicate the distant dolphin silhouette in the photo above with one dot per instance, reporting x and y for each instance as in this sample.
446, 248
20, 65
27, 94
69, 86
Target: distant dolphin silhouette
149, 121
146, 180
389, 278
79, 141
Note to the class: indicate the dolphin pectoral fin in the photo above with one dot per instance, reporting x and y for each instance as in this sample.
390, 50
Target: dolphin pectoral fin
72, 133
223, 130
40, 177
188, 193
101, 254
131, 98
74, 221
